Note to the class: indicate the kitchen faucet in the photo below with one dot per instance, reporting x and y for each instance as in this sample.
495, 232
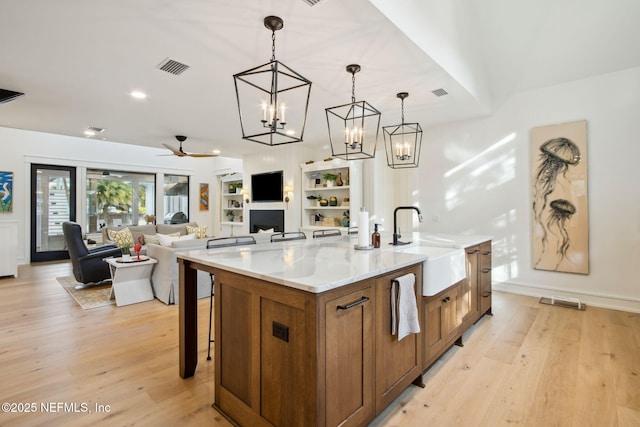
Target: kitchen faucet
396, 235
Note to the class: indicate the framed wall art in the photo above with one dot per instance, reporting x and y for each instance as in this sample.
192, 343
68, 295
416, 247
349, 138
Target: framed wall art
560, 228
6, 191
204, 196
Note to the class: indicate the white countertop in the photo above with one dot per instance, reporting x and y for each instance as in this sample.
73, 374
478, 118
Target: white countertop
318, 265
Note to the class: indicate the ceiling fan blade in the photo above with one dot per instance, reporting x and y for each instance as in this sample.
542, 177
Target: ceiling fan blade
202, 155
175, 151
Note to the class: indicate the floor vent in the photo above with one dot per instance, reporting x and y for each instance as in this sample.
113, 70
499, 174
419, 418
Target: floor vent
439, 92
311, 2
173, 67
564, 302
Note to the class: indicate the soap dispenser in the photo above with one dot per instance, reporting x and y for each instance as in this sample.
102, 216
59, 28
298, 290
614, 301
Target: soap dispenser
375, 237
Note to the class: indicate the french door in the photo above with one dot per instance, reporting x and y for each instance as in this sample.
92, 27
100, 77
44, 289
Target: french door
53, 201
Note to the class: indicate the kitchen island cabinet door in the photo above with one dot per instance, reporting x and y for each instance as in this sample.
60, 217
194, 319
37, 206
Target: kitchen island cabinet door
349, 353
398, 363
442, 322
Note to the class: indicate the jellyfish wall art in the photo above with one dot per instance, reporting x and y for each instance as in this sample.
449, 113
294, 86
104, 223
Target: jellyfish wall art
559, 206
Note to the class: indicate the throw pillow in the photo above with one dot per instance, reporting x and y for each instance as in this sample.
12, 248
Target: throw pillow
268, 230
123, 238
151, 238
167, 239
200, 232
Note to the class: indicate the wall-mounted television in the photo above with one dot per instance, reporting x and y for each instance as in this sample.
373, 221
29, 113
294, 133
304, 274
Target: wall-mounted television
266, 187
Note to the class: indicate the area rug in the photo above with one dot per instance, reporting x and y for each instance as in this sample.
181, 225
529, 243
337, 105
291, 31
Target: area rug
91, 297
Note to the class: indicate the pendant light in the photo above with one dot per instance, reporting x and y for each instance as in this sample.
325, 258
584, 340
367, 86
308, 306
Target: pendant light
272, 98
403, 142
353, 127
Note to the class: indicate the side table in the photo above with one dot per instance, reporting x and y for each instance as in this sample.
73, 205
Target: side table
131, 280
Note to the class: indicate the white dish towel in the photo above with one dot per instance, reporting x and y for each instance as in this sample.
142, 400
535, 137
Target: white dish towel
404, 310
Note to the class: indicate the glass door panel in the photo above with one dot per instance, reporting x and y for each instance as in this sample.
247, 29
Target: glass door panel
53, 201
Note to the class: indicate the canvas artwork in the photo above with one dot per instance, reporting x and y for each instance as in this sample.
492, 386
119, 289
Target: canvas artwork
6, 191
204, 197
560, 229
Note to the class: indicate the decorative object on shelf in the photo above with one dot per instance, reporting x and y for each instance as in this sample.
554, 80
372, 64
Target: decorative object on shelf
403, 142
354, 133
345, 201
345, 219
330, 178
230, 215
333, 201
279, 122
339, 181
323, 202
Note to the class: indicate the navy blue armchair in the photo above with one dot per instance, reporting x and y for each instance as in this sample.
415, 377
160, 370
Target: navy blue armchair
88, 265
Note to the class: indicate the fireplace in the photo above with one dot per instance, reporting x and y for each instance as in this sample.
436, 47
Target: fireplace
265, 220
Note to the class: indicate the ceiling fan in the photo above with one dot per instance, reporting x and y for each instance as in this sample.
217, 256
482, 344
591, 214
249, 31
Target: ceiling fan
181, 153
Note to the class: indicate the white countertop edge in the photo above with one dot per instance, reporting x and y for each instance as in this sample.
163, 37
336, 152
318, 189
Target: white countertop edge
316, 289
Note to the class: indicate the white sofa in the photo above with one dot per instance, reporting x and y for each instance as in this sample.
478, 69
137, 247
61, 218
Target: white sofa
164, 277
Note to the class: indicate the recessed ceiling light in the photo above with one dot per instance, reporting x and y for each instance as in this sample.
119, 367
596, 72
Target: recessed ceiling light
89, 132
138, 94
216, 151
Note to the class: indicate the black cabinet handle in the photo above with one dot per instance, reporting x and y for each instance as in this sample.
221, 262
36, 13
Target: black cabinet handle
486, 253
353, 304
486, 270
447, 299
486, 295
475, 251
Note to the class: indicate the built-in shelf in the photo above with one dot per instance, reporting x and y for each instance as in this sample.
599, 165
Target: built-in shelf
231, 201
313, 184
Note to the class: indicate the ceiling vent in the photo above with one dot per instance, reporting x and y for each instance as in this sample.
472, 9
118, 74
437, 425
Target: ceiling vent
9, 95
311, 2
439, 92
173, 67
95, 129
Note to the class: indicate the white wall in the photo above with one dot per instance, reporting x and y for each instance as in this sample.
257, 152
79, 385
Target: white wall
474, 176
21, 148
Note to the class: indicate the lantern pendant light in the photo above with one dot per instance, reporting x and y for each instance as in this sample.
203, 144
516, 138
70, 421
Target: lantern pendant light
403, 142
272, 98
353, 127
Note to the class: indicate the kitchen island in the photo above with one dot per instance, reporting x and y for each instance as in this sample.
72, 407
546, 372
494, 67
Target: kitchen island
303, 330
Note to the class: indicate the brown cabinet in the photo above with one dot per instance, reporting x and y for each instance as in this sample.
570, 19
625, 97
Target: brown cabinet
349, 353
476, 288
442, 322
485, 291
450, 313
289, 357
398, 363
469, 288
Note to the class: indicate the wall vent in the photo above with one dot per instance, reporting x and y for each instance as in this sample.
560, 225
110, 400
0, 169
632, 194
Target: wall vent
173, 67
311, 2
439, 92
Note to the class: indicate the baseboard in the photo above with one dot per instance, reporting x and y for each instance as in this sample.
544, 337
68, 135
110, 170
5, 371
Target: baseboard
591, 299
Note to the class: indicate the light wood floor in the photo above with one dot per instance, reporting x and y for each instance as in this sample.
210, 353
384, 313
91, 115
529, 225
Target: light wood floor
529, 364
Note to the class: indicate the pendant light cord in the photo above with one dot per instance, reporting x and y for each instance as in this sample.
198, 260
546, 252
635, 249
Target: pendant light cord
402, 110
353, 87
273, 46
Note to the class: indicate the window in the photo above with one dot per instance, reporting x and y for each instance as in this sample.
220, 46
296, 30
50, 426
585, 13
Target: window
119, 198
176, 199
